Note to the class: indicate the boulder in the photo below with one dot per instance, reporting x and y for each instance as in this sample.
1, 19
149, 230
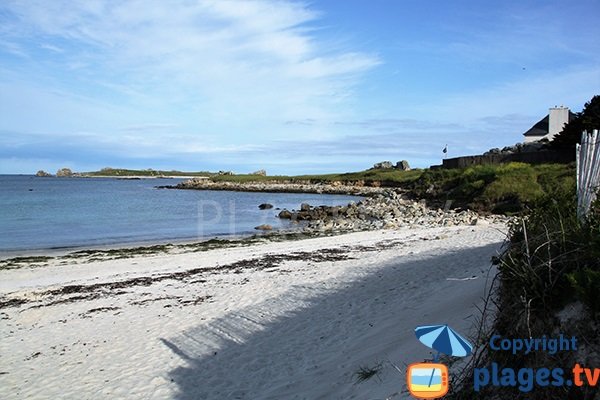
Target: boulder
260, 172
403, 165
304, 215
265, 206
304, 207
263, 227
383, 165
532, 147
285, 214
495, 150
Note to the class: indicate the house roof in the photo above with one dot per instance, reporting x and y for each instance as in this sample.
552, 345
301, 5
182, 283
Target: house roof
541, 128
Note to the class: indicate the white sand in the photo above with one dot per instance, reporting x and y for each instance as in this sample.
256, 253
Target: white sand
297, 329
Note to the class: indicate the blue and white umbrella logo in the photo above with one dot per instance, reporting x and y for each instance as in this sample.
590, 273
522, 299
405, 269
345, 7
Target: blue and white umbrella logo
443, 339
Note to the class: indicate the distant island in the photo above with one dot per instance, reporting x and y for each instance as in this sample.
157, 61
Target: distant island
126, 173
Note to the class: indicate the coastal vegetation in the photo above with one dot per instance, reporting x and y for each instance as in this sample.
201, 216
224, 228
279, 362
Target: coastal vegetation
587, 119
503, 188
123, 172
548, 284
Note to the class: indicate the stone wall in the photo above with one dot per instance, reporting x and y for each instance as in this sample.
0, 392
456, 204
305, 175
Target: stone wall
537, 157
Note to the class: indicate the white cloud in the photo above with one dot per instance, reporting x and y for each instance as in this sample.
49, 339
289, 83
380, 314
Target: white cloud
534, 93
242, 58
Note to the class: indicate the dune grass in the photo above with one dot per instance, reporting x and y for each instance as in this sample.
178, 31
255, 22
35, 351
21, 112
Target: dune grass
505, 188
548, 284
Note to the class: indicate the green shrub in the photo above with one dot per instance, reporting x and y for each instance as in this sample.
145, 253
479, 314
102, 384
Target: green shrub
586, 283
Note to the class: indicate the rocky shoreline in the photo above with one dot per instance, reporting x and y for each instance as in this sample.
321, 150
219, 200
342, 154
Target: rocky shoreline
357, 188
386, 210
382, 208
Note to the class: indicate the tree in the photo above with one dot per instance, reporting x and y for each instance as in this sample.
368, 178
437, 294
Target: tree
586, 120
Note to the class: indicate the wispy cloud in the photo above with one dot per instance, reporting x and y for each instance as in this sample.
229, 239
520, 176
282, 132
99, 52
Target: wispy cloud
244, 84
150, 127
225, 57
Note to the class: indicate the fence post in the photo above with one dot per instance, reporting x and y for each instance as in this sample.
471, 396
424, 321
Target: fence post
588, 172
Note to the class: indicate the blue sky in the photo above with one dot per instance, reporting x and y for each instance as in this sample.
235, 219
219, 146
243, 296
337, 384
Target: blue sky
288, 86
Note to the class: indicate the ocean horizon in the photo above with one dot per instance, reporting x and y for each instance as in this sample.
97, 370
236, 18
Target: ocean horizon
38, 213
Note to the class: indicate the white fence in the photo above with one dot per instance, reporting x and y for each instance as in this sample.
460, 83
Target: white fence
588, 172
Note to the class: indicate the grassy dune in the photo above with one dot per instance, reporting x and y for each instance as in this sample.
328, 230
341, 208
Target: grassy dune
548, 284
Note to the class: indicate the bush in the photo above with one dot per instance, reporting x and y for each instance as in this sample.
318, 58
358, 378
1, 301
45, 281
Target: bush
552, 259
586, 283
547, 246
505, 188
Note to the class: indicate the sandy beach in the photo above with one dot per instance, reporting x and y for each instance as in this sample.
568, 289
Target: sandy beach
271, 320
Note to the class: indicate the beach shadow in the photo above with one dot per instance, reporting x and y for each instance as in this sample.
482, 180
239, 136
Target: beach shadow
324, 337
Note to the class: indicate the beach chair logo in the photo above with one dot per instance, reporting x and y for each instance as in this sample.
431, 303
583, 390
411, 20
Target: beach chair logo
429, 380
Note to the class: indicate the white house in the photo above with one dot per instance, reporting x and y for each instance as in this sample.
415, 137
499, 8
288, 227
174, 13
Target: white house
550, 125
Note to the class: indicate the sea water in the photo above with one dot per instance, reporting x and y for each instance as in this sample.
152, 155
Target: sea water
49, 213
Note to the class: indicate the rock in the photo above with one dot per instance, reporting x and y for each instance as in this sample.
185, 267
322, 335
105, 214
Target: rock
206, 183
381, 208
42, 173
285, 214
304, 215
263, 227
383, 165
532, 147
265, 206
260, 172
64, 172
403, 165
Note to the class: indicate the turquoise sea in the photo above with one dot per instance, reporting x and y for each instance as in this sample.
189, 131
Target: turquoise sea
53, 213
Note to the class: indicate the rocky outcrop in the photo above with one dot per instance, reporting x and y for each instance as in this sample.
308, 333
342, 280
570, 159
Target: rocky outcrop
386, 210
518, 148
42, 173
403, 165
260, 172
353, 188
265, 206
64, 172
400, 165
383, 165
382, 207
